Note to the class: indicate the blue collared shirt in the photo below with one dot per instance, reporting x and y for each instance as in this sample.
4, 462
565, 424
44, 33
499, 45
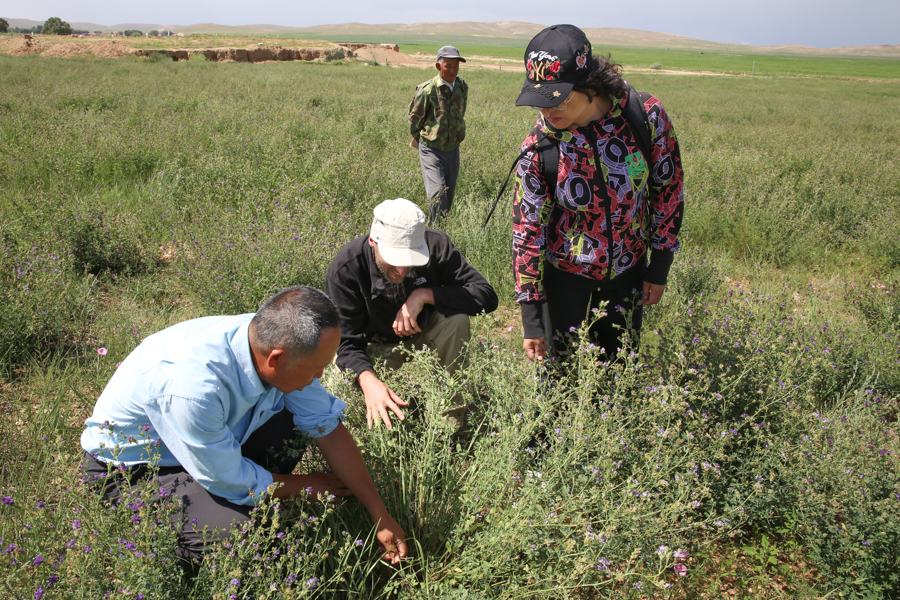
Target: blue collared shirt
191, 394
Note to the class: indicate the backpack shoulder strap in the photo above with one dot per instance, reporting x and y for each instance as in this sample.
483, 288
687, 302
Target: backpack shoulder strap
529, 148
548, 150
636, 116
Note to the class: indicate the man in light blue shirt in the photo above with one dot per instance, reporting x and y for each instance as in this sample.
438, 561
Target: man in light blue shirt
207, 399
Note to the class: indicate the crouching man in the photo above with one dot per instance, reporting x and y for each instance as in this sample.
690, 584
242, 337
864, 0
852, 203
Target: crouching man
404, 283
213, 397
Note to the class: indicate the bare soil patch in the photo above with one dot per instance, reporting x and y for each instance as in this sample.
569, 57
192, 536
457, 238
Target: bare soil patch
386, 57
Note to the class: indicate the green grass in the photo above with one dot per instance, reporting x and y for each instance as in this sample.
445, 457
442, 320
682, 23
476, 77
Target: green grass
134, 195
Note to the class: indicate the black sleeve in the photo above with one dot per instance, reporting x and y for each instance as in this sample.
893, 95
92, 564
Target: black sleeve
462, 288
532, 321
346, 295
658, 269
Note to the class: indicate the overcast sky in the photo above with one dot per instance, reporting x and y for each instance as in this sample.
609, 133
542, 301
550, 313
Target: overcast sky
818, 23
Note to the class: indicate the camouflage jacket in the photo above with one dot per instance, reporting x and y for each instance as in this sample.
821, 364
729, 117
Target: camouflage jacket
437, 115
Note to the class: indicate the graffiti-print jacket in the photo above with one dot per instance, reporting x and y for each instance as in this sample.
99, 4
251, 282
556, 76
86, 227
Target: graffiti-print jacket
603, 219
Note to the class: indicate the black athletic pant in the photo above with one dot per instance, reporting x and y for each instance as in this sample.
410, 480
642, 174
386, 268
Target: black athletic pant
570, 299
200, 508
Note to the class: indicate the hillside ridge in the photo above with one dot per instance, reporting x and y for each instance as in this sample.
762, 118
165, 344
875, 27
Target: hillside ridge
506, 30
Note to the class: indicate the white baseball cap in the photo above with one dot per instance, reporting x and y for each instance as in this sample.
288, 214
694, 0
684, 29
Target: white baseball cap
399, 231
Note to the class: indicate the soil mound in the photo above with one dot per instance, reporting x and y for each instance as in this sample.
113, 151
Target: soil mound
21, 46
67, 50
111, 49
384, 56
104, 49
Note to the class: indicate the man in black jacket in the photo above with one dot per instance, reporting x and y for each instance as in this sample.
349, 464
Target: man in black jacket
402, 283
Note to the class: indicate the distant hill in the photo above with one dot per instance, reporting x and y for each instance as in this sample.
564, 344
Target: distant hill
500, 33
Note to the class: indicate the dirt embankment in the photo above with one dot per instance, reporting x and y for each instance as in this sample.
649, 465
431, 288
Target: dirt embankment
382, 54
251, 54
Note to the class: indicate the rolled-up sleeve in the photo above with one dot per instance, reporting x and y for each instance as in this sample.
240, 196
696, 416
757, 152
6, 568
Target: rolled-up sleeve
195, 432
316, 412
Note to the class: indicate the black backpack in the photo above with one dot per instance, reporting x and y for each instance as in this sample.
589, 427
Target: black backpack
548, 147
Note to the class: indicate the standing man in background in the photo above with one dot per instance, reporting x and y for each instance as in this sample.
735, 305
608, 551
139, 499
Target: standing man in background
437, 124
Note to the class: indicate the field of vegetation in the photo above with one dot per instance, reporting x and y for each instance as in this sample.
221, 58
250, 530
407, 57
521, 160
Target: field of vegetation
726, 63
748, 450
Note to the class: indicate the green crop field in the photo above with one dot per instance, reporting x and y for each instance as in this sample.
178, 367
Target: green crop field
747, 449
752, 61
761, 65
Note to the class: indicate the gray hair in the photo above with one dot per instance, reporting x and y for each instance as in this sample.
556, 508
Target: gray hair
293, 320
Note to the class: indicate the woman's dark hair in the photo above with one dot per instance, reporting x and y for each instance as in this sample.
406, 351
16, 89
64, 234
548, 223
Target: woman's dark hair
605, 78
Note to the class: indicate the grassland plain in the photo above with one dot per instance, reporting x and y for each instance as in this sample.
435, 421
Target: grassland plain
748, 450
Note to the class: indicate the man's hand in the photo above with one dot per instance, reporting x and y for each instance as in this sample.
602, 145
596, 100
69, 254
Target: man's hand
343, 456
405, 323
318, 482
414, 143
535, 348
652, 293
379, 398
391, 537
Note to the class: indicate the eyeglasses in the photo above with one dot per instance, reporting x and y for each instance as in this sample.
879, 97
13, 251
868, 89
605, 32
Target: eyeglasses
562, 106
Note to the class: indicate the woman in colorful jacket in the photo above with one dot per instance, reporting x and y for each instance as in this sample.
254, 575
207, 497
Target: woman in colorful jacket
609, 231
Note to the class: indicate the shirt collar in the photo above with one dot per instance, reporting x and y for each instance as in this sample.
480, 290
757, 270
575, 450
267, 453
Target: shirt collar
251, 384
439, 81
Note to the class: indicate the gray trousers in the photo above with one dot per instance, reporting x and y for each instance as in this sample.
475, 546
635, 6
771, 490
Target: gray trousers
439, 171
199, 509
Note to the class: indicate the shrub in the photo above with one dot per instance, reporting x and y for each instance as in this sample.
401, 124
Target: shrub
70, 544
230, 261
43, 307
103, 244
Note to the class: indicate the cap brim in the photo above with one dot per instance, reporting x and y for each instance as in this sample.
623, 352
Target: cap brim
404, 257
548, 95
